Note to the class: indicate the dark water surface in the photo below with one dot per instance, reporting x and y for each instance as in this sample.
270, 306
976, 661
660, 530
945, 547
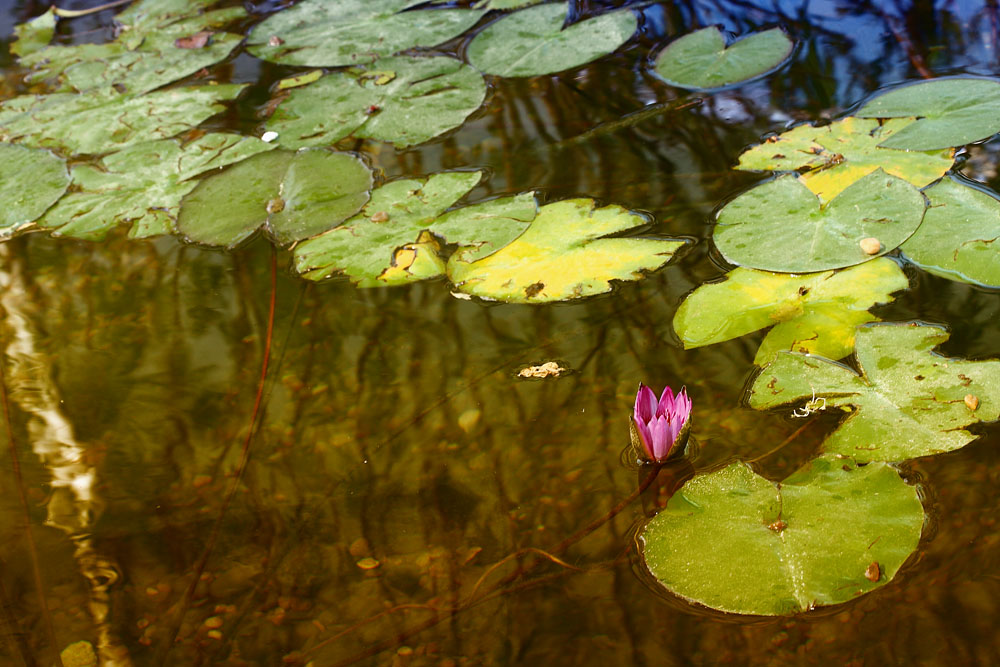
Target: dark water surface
402, 472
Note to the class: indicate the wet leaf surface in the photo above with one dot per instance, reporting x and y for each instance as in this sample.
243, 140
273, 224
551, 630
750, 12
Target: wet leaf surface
142, 185
31, 180
100, 123
780, 225
146, 55
531, 42
836, 155
953, 112
404, 100
734, 541
293, 195
354, 32
398, 237
959, 238
35, 34
815, 313
563, 255
700, 60
907, 401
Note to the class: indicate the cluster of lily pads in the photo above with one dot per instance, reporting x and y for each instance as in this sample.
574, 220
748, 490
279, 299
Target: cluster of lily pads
809, 244
110, 135
152, 169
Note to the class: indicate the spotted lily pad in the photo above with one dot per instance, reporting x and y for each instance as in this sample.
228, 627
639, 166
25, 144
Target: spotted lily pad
148, 53
142, 185
563, 255
734, 541
31, 180
836, 155
403, 100
781, 225
352, 32
952, 112
907, 401
959, 238
815, 312
532, 42
399, 236
100, 123
701, 61
293, 195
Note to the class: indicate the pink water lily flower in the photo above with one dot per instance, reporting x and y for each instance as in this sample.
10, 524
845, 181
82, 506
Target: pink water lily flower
659, 426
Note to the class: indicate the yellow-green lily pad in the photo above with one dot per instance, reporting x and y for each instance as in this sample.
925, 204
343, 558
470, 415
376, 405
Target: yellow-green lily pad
563, 255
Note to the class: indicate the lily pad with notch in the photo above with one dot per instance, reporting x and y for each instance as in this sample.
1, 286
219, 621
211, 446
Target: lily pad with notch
532, 42
959, 238
563, 255
836, 155
815, 312
951, 112
905, 401
292, 195
400, 235
701, 60
781, 225
734, 541
319, 33
402, 100
142, 185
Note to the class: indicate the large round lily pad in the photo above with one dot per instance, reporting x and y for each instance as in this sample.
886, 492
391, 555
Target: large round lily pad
781, 225
353, 32
952, 112
734, 541
960, 235
532, 42
907, 401
294, 195
701, 61
562, 256
402, 100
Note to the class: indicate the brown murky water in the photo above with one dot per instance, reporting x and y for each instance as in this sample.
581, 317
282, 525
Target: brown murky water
408, 495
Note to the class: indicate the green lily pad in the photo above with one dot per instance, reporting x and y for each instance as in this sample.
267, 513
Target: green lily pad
31, 180
99, 123
403, 100
952, 112
701, 61
153, 49
395, 238
142, 185
353, 32
563, 255
836, 155
35, 34
734, 541
294, 195
907, 400
781, 225
959, 238
531, 42
815, 313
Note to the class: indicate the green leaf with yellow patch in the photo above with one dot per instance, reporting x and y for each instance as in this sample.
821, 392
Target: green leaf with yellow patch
563, 255
834, 156
814, 312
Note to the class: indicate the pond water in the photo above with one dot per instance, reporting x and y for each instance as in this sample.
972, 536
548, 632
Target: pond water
408, 497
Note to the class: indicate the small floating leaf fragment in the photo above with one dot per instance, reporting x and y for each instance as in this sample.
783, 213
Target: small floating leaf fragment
548, 369
972, 401
368, 563
871, 245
